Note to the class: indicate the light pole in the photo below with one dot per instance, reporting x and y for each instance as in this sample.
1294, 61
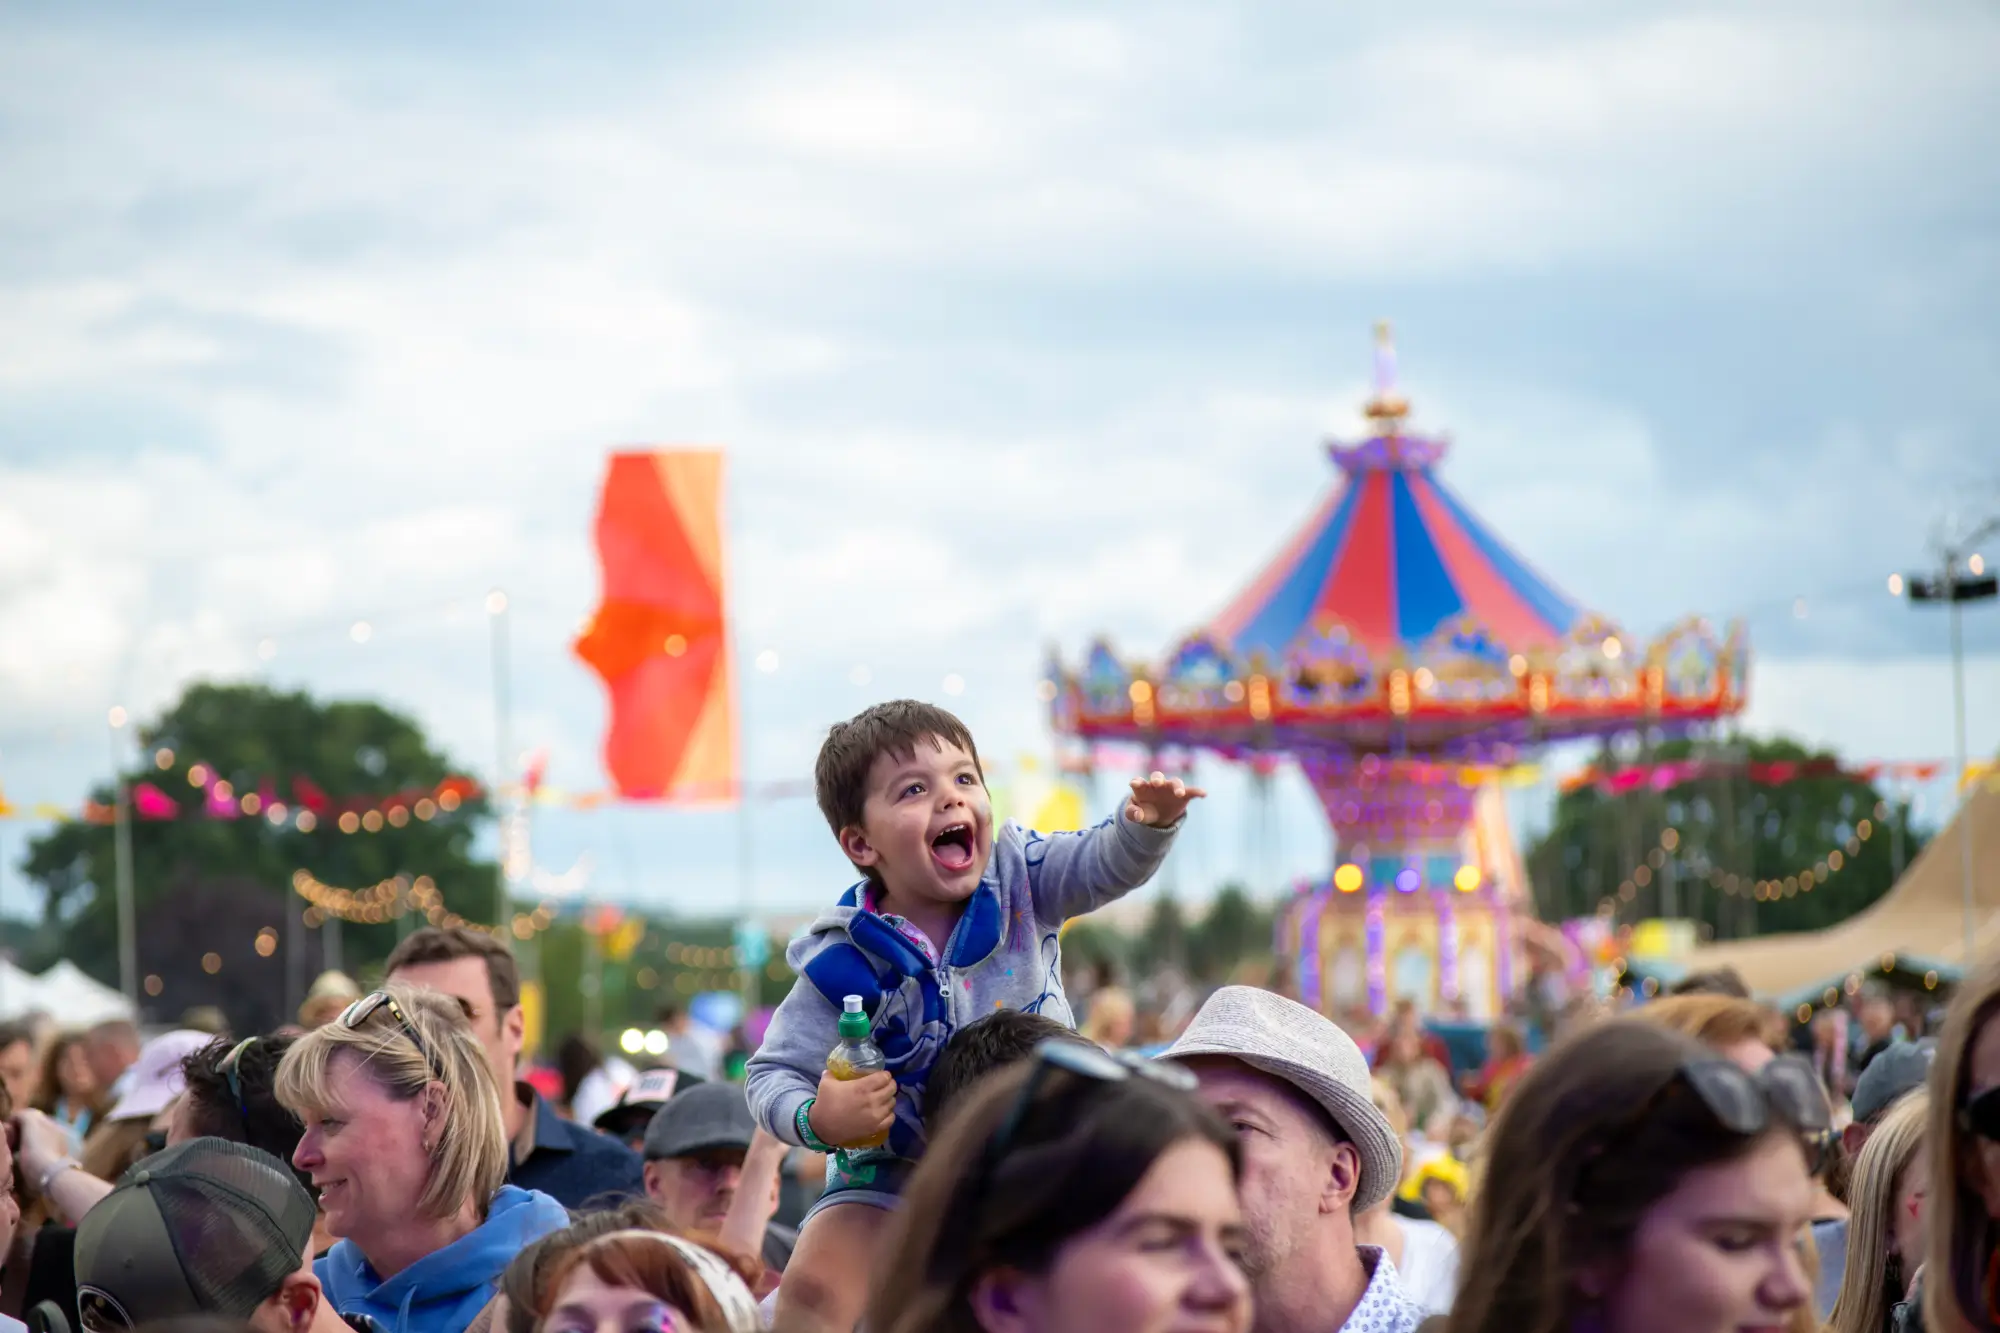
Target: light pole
128, 934
1952, 587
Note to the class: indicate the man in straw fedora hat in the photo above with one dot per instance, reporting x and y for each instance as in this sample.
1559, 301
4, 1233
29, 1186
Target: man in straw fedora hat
1315, 1152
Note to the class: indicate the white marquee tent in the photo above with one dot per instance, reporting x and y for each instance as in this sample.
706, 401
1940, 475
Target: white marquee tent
64, 992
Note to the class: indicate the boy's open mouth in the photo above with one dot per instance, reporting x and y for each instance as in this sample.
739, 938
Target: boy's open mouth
952, 848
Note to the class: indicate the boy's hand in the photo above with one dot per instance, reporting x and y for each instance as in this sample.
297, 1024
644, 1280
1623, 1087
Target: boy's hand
1160, 800
849, 1112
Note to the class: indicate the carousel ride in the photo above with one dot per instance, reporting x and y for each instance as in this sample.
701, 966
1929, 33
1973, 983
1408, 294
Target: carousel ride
1403, 657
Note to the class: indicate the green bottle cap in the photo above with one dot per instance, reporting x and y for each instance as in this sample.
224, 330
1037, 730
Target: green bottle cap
853, 1023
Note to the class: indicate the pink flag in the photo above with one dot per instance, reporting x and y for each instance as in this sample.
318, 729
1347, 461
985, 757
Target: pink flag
152, 803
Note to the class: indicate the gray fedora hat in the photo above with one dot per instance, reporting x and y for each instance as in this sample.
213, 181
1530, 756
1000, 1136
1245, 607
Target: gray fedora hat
1286, 1040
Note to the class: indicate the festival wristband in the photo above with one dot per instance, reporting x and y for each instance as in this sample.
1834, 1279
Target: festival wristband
803, 1123
49, 1176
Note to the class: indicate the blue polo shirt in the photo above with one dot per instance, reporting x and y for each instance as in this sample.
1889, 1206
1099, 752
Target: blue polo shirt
575, 1165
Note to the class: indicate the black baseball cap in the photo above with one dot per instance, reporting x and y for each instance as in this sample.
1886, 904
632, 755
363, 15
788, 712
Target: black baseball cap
713, 1115
206, 1227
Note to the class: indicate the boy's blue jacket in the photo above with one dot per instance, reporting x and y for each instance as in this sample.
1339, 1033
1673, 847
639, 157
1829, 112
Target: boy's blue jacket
444, 1291
1003, 954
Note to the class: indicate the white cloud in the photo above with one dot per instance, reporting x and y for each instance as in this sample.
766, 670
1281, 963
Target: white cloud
362, 322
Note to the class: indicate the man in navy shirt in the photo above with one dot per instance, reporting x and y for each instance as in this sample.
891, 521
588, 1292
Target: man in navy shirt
574, 1164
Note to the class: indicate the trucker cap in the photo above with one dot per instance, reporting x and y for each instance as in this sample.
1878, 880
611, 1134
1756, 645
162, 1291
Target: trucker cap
206, 1227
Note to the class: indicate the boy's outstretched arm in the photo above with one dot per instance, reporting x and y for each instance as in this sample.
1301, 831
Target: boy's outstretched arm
1070, 874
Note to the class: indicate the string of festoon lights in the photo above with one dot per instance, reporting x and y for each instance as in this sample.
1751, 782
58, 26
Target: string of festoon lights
1822, 868
398, 896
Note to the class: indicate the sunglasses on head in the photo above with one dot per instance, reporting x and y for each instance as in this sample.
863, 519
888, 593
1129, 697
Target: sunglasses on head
1082, 1060
1785, 1090
1744, 1103
230, 1067
357, 1014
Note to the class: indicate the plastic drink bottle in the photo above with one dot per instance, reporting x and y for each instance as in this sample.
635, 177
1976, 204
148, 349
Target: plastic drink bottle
856, 1057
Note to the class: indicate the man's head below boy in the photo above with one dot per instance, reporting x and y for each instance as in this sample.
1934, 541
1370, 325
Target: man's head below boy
901, 786
985, 1046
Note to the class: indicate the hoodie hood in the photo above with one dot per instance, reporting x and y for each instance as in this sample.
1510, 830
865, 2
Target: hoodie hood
974, 939
445, 1290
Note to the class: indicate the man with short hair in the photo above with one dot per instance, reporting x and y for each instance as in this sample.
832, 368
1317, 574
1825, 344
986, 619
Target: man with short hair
254, 1221
1315, 1152
567, 1161
697, 1148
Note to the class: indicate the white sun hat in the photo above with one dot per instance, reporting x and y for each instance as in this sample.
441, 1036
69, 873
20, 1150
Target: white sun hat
1286, 1040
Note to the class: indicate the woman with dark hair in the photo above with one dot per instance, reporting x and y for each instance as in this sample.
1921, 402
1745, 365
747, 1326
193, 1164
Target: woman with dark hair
69, 1092
1637, 1182
1074, 1192
1961, 1277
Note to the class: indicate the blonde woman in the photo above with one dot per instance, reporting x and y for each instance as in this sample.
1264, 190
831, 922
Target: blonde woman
403, 1142
1885, 1229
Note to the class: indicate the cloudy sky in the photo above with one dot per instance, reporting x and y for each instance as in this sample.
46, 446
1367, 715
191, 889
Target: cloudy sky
1017, 329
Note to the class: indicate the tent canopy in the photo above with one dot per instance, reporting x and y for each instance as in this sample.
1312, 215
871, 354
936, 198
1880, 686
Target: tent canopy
1919, 924
65, 992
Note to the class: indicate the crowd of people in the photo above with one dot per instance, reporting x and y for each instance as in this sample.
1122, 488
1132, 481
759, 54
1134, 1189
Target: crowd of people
1016, 1165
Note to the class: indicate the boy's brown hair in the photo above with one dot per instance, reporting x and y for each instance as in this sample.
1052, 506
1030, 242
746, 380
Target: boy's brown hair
840, 777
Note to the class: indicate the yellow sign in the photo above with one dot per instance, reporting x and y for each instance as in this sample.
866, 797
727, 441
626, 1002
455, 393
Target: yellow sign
534, 1014
1657, 939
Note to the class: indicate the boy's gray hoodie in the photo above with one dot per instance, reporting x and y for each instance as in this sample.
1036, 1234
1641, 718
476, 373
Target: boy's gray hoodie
1003, 954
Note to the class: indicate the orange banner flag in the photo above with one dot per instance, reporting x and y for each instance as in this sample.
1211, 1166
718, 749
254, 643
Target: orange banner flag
660, 638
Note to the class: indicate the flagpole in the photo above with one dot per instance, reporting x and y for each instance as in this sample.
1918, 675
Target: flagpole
746, 881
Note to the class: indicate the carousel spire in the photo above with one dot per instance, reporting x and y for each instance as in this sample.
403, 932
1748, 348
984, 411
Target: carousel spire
1387, 407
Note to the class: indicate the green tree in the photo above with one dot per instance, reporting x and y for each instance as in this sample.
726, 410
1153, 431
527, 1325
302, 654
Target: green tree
203, 885
1232, 930
1164, 941
1679, 851
1094, 949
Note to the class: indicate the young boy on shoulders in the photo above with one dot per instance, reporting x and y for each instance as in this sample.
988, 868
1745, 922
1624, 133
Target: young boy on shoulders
952, 920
